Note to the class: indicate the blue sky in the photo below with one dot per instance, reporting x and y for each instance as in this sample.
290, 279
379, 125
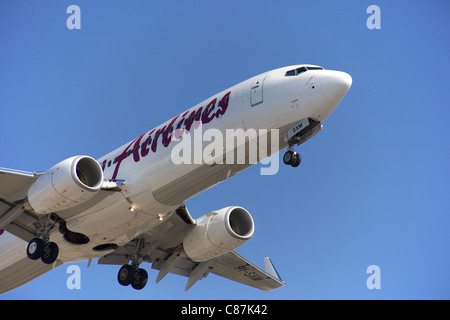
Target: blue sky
372, 188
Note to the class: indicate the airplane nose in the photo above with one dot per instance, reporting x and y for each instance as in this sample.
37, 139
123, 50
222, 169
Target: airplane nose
335, 85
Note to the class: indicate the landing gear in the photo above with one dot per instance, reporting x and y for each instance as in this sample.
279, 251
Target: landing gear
137, 277
292, 158
46, 251
297, 135
40, 247
132, 274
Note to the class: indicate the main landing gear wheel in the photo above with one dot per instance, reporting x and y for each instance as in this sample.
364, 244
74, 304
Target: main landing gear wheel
140, 279
292, 158
51, 252
35, 249
137, 277
125, 275
46, 251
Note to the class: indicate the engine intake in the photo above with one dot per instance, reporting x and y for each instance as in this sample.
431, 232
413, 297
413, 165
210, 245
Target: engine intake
218, 232
65, 185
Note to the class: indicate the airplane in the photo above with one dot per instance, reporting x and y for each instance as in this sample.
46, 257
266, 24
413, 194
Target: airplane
128, 207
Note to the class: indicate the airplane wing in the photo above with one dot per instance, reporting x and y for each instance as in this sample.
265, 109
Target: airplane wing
235, 267
13, 190
18, 221
17, 270
161, 248
24, 224
15, 183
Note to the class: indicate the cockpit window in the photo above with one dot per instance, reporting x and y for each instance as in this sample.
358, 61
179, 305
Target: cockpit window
290, 73
314, 68
300, 70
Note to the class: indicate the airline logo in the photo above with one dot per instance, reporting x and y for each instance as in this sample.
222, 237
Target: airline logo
187, 130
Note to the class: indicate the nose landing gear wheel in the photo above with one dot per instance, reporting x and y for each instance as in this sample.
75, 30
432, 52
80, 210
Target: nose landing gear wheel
287, 158
298, 159
292, 158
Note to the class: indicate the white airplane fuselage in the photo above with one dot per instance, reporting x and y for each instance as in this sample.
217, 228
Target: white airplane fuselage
153, 186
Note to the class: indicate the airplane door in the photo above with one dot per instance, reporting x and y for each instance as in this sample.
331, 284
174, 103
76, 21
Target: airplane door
256, 92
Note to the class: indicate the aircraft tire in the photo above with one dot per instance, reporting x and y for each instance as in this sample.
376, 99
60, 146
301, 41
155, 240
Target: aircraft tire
287, 158
126, 275
50, 254
35, 249
140, 279
296, 160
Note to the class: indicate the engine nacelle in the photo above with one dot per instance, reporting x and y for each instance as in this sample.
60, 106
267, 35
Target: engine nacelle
218, 232
65, 185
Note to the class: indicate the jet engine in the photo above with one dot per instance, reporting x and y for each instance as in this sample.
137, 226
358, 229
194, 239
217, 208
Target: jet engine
217, 233
65, 185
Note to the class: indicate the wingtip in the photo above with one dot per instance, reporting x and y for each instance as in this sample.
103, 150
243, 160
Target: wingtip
270, 269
